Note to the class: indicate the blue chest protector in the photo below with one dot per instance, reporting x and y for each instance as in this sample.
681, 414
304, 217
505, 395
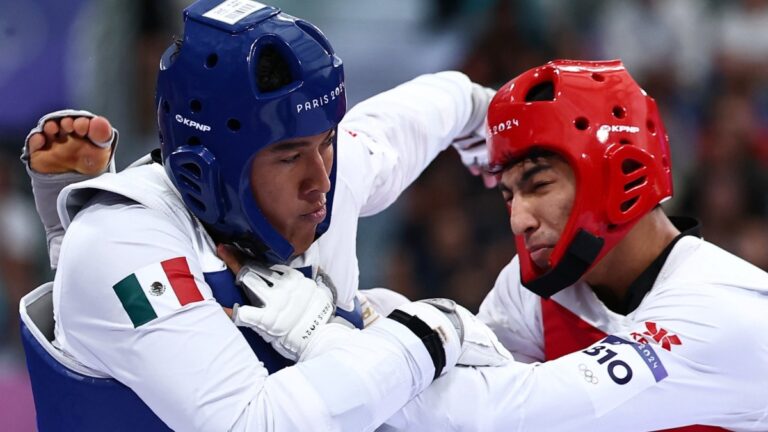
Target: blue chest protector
67, 400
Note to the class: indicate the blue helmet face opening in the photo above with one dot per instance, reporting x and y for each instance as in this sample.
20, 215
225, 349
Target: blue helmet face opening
270, 235
231, 89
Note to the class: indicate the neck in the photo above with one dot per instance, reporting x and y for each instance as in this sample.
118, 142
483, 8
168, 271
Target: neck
611, 278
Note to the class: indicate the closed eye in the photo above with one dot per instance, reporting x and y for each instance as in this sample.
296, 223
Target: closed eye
328, 141
290, 159
540, 184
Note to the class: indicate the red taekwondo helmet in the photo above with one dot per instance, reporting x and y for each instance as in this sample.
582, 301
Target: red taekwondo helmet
597, 118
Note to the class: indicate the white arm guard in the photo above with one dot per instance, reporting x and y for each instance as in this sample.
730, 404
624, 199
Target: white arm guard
383, 300
436, 329
46, 187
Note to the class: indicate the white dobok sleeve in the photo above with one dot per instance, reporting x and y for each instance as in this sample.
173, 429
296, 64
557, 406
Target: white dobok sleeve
388, 140
716, 377
190, 364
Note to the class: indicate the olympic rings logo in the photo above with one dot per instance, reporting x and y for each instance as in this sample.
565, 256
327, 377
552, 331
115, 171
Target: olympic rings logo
589, 376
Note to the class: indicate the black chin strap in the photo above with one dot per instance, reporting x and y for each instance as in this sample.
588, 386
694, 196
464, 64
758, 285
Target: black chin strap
156, 156
579, 256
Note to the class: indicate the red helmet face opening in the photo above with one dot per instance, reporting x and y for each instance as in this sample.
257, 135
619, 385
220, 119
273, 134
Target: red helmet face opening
596, 117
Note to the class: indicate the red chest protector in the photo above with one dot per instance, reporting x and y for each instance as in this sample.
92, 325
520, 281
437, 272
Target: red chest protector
565, 332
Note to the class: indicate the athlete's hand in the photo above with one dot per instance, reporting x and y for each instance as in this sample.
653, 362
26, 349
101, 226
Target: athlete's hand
479, 344
71, 143
471, 141
471, 341
289, 308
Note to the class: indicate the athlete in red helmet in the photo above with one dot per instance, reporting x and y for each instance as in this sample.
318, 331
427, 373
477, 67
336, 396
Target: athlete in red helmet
628, 319
620, 318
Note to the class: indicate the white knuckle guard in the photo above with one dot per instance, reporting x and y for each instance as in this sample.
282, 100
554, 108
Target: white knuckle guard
476, 156
480, 346
253, 279
466, 340
291, 308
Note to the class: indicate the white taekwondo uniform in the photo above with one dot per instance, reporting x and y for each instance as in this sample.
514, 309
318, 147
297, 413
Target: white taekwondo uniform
188, 362
693, 351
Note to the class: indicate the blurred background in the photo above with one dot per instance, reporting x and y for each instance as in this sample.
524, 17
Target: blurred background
704, 61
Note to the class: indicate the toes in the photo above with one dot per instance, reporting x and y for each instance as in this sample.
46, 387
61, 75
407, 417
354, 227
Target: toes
66, 125
51, 130
100, 131
80, 126
36, 142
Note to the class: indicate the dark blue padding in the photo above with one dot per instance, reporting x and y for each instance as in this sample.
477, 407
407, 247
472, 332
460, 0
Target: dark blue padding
355, 316
66, 400
227, 293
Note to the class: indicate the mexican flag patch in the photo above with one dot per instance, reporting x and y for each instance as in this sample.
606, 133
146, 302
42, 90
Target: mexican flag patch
157, 290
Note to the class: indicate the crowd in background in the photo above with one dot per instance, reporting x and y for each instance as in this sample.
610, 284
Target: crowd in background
705, 62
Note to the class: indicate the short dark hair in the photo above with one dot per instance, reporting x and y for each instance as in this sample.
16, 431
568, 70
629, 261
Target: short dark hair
533, 155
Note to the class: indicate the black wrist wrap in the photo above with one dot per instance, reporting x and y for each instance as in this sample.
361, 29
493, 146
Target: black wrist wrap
430, 338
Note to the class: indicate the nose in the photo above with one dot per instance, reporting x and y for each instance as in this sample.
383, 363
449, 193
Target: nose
521, 217
317, 180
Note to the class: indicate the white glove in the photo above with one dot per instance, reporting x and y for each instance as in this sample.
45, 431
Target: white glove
471, 141
289, 307
479, 344
466, 341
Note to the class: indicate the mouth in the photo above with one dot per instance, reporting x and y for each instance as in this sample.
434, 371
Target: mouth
540, 255
316, 215
536, 247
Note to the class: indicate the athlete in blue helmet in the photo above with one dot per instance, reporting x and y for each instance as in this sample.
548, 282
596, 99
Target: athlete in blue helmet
256, 152
220, 100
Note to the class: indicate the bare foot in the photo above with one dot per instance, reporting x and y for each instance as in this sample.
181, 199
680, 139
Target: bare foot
70, 145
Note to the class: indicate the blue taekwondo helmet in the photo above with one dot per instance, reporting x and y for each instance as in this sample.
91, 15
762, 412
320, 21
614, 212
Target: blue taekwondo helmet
215, 114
